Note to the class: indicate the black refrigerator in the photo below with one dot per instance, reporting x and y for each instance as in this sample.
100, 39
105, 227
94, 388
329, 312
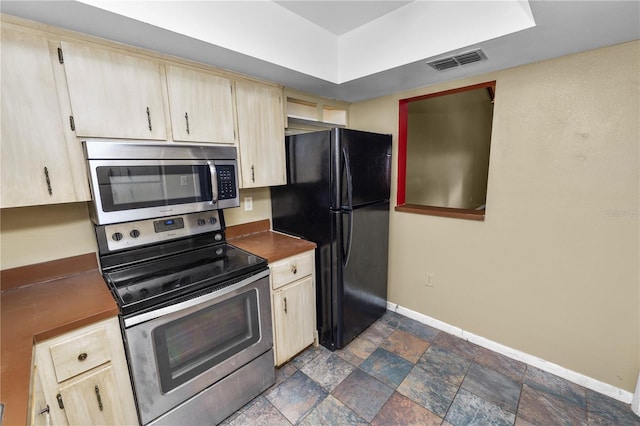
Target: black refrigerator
337, 195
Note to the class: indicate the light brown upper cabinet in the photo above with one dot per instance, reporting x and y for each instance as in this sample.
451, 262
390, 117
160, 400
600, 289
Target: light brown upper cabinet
260, 134
39, 164
113, 95
201, 106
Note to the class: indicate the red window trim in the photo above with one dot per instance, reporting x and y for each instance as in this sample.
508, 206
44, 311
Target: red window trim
403, 121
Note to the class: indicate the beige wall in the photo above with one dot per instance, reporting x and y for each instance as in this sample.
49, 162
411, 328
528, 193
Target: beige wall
554, 269
37, 234
261, 207
42, 233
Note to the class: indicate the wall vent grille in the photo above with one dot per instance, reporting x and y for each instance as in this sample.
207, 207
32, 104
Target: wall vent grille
458, 60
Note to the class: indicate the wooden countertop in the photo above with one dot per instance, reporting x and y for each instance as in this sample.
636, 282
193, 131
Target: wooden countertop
39, 302
256, 238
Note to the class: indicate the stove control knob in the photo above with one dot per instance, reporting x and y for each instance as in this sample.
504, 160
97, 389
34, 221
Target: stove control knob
134, 233
200, 222
213, 220
117, 236
218, 237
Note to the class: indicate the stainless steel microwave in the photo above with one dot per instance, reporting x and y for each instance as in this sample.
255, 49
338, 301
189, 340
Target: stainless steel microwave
143, 180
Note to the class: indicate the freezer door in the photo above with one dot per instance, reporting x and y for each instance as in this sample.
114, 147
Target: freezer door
364, 167
302, 206
361, 270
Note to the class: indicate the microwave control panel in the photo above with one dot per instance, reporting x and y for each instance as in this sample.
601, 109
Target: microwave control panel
226, 182
127, 235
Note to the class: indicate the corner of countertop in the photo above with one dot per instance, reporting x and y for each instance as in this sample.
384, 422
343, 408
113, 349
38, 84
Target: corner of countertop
249, 228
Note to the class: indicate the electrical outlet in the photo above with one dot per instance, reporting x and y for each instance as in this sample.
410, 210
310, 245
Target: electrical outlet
429, 280
248, 204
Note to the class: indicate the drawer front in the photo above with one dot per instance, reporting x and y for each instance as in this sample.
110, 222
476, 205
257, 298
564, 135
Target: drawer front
293, 268
80, 353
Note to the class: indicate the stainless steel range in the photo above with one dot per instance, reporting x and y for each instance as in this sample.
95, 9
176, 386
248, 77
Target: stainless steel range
195, 311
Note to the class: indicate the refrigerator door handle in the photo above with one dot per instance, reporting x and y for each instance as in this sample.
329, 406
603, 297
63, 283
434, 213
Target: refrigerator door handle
346, 251
347, 168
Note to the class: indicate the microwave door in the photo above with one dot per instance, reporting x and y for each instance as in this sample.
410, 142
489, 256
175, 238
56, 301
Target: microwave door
137, 186
134, 190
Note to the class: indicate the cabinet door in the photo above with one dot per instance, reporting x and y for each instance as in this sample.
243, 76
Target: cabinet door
260, 135
35, 163
38, 409
113, 95
294, 318
92, 399
105, 383
201, 106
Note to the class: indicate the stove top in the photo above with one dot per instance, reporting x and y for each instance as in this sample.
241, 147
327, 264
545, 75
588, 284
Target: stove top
151, 263
155, 282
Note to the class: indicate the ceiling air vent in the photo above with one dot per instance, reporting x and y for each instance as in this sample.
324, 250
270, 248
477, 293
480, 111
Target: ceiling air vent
457, 60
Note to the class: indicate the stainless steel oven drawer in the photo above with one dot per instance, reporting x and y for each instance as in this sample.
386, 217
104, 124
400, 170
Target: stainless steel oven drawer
217, 402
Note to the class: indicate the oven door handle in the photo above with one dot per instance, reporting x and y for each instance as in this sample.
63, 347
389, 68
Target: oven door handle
214, 182
147, 316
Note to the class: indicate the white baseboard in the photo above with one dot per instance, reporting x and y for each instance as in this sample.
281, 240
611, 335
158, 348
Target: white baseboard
572, 376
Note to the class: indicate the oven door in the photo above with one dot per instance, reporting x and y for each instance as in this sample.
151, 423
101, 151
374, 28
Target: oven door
178, 351
127, 190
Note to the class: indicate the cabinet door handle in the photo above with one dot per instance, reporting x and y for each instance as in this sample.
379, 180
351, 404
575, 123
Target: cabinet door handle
46, 176
149, 118
186, 118
43, 410
60, 403
285, 305
99, 398
82, 356
253, 174
294, 268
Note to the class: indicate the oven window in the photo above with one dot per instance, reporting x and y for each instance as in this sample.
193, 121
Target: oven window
190, 345
131, 187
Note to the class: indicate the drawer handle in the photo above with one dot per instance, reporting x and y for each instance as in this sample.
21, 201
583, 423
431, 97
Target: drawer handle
82, 356
294, 268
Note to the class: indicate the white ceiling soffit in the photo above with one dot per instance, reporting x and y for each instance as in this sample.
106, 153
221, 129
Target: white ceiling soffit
562, 28
339, 17
424, 29
277, 33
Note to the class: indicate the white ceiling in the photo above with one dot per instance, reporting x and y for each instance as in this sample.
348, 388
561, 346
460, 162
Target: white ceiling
339, 17
348, 50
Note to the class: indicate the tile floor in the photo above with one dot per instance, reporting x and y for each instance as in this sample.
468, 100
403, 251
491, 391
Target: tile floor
402, 372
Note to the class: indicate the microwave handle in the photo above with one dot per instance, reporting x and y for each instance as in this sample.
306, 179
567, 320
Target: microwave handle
214, 182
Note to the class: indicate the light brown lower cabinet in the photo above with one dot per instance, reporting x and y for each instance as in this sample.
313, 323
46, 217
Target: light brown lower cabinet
81, 378
39, 411
293, 305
